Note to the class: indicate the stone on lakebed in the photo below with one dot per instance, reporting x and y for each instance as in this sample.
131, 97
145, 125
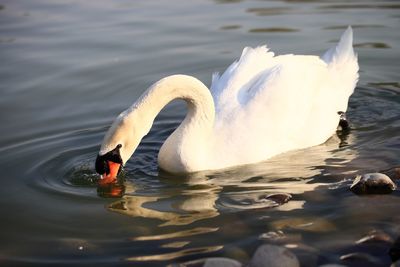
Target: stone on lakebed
273, 256
372, 183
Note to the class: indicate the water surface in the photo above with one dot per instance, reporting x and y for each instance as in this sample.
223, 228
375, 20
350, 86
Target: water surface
69, 67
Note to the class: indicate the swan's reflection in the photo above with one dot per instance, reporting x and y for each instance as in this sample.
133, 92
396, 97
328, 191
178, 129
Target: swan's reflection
182, 208
204, 195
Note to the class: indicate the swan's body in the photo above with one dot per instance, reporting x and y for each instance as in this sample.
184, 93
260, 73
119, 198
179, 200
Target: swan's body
261, 106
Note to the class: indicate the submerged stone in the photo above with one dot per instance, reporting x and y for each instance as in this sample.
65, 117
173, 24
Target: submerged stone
273, 256
221, 262
372, 183
309, 224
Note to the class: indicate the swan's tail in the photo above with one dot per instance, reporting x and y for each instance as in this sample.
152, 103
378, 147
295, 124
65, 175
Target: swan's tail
342, 63
343, 51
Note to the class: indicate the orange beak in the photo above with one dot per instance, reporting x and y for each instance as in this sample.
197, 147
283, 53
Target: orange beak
112, 176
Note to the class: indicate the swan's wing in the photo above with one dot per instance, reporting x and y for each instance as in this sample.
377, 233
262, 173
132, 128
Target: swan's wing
297, 100
225, 88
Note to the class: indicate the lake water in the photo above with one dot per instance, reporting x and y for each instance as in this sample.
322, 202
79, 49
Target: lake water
69, 67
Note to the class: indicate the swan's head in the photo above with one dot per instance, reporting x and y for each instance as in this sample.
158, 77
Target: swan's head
118, 145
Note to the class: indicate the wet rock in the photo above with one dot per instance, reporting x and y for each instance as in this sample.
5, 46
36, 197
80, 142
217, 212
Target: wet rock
372, 183
280, 198
307, 255
221, 262
273, 256
394, 251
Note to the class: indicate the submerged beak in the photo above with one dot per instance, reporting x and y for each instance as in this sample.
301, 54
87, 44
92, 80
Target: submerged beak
112, 176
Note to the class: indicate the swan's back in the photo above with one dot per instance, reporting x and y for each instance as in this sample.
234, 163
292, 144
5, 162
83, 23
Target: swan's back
266, 105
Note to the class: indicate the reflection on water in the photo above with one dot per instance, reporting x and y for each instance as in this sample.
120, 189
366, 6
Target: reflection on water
230, 27
241, 188
68, 68
354, 26
263, 11
258, 30
174, 255
372, 45
185, 233
363, 6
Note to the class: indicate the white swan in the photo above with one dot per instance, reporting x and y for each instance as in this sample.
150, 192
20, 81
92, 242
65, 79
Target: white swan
261, 106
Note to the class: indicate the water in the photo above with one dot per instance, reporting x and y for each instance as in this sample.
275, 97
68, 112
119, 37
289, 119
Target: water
69, 67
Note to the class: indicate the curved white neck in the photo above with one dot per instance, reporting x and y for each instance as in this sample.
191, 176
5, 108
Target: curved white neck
134, 123
197, 96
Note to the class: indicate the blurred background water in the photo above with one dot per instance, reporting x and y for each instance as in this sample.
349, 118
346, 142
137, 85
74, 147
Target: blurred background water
68, 67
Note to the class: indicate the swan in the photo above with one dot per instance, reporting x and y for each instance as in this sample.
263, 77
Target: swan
261, 106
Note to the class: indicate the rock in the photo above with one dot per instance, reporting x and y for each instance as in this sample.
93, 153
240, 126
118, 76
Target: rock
372, 183
221, 262
273, 256
307, 255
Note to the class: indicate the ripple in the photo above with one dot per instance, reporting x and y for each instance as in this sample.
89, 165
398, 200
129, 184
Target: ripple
230, 27
269, 11
386, 85
354, 26
66, 167
274, 29
372, 45
361, 6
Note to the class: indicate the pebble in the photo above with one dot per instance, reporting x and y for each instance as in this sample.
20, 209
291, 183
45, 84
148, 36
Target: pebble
221, 262
273, 256
372, 183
